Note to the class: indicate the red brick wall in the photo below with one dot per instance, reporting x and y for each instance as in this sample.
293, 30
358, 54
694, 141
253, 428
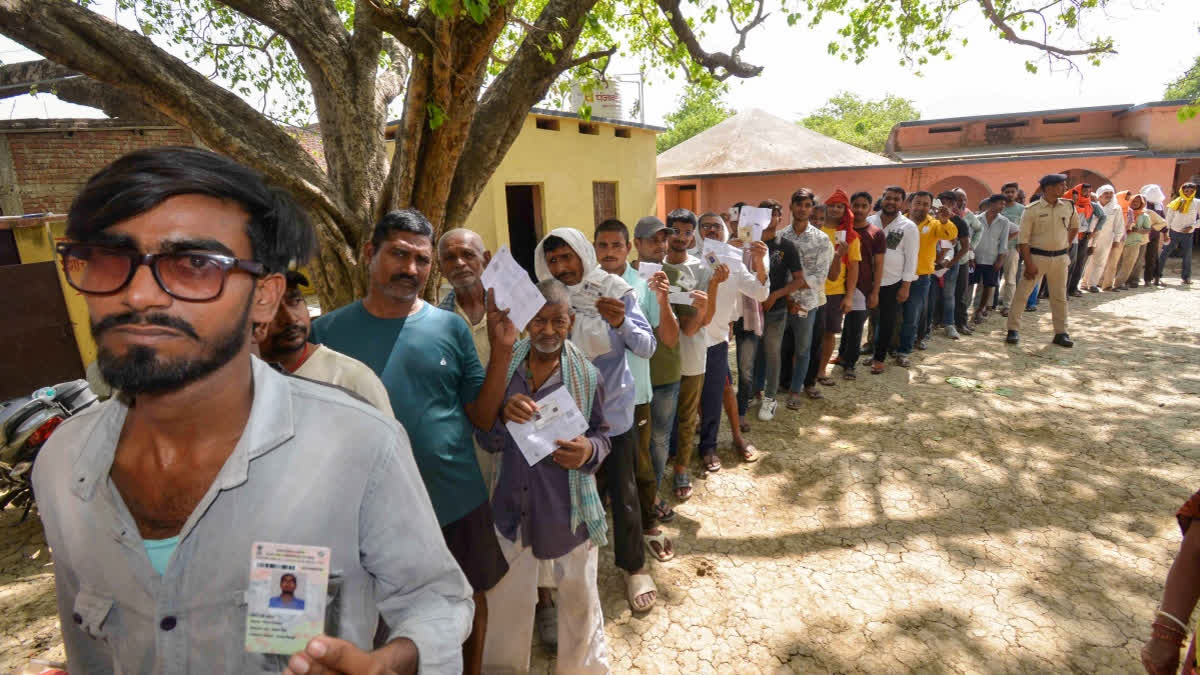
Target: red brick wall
51, 166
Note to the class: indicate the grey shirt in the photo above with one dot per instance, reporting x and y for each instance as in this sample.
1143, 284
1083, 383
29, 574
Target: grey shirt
313, 467
993, 241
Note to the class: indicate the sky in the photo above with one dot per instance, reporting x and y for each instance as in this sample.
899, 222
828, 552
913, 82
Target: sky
1156, 41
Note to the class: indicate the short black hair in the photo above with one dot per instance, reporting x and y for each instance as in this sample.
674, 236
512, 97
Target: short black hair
772, 204
613, 225
553, 243
804, 193
401, 220
948, 195
738, 205
995, 198
682, 216
924, 193
280, 232
286, 575
896, 189
1009, 185
862, 194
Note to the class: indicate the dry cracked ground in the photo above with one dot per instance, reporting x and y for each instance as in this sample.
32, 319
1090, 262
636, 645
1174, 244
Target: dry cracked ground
1023, 524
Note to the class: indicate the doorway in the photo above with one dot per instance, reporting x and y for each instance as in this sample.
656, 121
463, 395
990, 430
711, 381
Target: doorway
40, 347
524, 206
687, 197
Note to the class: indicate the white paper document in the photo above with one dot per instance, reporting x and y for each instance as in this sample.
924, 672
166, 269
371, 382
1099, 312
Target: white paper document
725, 254
646, 269
752, 222
680, 298
513, 289
557, 419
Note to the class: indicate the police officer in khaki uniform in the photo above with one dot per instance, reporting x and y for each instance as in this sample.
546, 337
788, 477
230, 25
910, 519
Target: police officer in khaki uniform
1047, 230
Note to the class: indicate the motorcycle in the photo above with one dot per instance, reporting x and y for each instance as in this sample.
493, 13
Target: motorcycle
25, 425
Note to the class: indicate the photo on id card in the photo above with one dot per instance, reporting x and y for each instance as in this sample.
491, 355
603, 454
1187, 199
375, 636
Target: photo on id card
285, 601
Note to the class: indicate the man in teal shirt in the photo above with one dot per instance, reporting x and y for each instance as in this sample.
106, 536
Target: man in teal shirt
427, 360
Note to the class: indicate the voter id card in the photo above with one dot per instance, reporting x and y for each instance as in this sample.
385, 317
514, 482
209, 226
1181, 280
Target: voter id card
585, 300
546, 414
285, 602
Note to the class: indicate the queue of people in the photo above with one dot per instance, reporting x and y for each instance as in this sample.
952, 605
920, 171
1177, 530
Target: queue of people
384, 430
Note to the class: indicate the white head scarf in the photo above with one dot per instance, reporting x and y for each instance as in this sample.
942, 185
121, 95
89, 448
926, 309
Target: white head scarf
1153, 194
591, 330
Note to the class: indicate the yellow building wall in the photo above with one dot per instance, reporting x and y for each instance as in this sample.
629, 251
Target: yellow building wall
564, 164
36, 244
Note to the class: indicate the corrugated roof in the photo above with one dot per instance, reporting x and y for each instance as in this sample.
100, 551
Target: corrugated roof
1109, 145
754, 141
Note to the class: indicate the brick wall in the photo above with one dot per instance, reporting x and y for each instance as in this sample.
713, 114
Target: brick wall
52, 165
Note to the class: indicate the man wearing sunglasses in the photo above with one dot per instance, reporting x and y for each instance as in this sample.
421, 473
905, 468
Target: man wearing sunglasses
153, 501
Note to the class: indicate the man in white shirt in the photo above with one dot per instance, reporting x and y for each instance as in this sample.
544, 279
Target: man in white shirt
741, 282
286, 343
899, 268
1181, 221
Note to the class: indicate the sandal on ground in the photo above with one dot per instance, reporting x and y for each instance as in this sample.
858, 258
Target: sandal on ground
877, 368
664, 552
748, 452
683, 486
663, 512
638, 585
793, 402
903, 361
849, 375
827, 381
545, 619
814, 393
712, 463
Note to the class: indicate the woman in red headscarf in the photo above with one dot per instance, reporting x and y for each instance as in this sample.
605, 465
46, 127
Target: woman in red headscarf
843, 275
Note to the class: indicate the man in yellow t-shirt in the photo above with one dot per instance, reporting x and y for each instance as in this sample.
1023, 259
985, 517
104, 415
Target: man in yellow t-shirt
931, 232
843, 274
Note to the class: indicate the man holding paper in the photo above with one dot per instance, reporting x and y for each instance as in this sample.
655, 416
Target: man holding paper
437, 388
608, 322
742, 283
551, 509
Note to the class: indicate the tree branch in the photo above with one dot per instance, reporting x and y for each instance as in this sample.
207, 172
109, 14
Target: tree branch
80, 39
591, 56
412, 31
721, 65
72, 87
1010, 34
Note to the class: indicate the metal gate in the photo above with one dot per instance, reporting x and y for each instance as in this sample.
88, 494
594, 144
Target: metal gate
37, 340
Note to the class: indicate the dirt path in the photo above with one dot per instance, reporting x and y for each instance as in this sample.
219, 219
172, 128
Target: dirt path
903, 523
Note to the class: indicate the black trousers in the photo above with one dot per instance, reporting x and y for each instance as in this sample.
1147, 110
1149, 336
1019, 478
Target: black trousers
850, 347
1080, 261
618, 478
961, 284
889, 312
814, 348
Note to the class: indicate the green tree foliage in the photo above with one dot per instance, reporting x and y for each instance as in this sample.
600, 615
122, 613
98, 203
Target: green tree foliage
863, 123
700, 107
1186, 86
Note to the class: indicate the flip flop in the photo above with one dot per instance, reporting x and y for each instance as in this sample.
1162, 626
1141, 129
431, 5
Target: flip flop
712, 463
827, 381
663, 512
749, 452
683, 487
814, 393
877, 368
664, 552
849, 375
638, 585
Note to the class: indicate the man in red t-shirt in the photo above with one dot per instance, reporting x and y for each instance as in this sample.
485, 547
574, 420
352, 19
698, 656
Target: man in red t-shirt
866, 292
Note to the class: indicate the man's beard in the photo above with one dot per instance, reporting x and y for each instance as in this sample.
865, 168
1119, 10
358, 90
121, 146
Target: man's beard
141, 371
547, 349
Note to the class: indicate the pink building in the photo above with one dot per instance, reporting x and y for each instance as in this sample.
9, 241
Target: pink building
754, 155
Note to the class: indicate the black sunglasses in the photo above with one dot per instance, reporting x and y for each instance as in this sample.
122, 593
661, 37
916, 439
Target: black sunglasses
96, 269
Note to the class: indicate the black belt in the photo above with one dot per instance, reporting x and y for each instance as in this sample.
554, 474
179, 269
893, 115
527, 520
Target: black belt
1049, 254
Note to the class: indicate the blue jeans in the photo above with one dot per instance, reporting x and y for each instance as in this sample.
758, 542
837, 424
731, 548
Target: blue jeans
802, 331
664, 403
769, 360
948, 293
1179, 240
747, 353
918, 295
1032, 300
